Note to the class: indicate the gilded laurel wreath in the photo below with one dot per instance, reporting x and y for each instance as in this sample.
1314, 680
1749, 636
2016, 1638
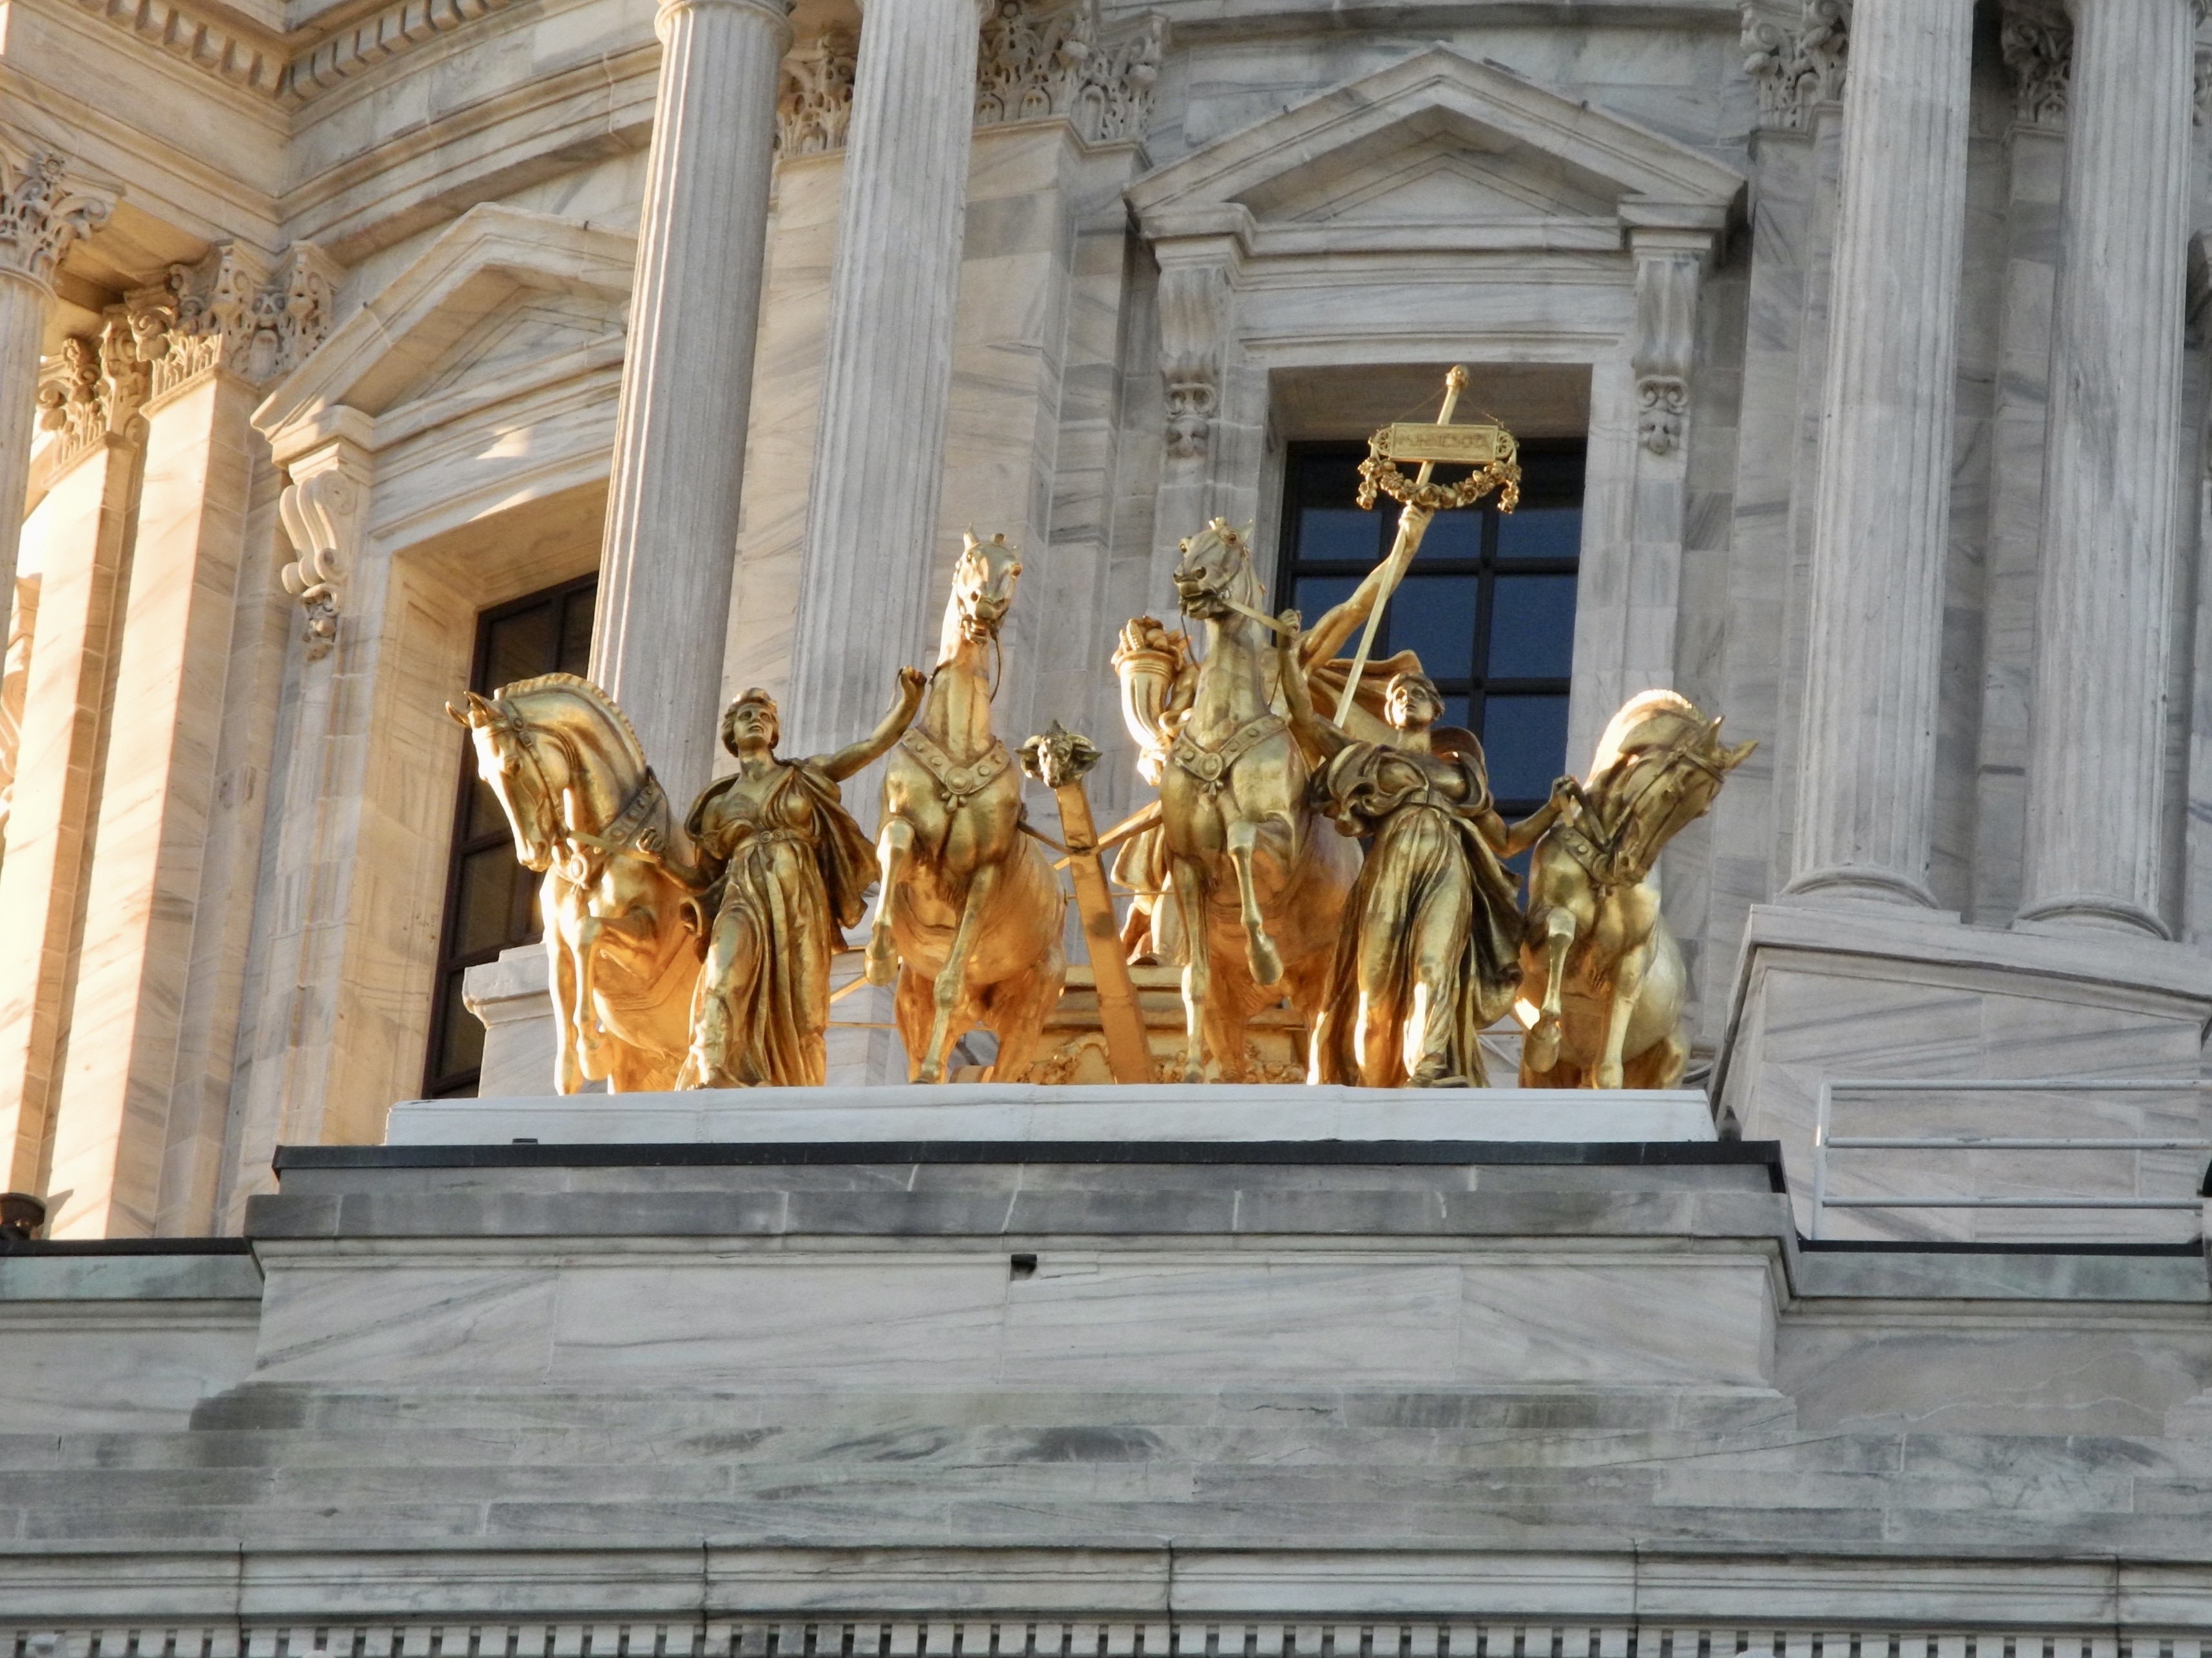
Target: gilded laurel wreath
1378, 472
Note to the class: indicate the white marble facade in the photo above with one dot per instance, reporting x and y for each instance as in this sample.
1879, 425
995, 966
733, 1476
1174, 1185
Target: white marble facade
450, 285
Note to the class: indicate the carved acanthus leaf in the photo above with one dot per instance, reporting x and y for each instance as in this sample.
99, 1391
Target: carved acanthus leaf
43, 207
2040, 55
89, 389
816, 103
1796, 68
1037, 62
230, 312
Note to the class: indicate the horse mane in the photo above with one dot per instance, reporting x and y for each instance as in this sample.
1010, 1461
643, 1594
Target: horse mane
590, 693
1638, 712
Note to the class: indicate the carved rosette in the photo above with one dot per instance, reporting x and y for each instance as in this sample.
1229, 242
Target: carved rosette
816, 103
323, 510
1796, 67
230, 312
43, 209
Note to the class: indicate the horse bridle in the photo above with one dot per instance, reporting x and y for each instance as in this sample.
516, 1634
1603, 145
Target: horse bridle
621, 829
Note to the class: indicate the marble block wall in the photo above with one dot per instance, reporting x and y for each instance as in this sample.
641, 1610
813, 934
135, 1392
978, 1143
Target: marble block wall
1877, 991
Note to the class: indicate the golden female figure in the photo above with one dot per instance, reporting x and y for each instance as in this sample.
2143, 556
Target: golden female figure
1428, 955
789, 869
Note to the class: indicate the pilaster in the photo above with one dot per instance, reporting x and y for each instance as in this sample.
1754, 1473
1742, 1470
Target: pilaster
80, 530
208, 337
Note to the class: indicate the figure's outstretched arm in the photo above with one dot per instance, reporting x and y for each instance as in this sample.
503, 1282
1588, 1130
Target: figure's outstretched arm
1566, 799
1333, 631
1317, 735
912, 682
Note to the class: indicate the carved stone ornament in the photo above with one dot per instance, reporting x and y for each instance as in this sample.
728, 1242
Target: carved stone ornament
816, 103
228, 312
2039, 52
1796, 68
322, 509
1668, 279
1036, 62
90, 389
42, 209
1194, 308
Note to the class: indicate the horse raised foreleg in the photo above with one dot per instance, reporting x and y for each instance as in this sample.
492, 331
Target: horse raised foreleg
952, 978
1197, 971
1627, 986
1243, 835
893, 848
1542, 1046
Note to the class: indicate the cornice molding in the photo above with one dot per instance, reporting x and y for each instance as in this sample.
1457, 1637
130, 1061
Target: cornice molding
288, 69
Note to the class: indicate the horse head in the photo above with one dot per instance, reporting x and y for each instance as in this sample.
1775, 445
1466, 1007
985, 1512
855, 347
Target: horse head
549, 748
983, 582
1659, 766
1213, 576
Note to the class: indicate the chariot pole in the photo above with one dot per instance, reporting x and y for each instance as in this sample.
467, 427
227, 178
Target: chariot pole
1059, 759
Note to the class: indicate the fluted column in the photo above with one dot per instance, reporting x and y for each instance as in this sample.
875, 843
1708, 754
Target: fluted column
672, 534
44, 207
2104, 593
879, 444
1882, 508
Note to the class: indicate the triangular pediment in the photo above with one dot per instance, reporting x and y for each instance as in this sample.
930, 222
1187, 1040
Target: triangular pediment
502, 297
1439, 139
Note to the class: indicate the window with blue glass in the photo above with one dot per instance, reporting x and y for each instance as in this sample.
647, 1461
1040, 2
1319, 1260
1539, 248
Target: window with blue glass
1488, 601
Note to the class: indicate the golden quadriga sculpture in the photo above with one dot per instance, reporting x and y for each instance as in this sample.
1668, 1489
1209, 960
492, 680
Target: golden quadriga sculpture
968, 918
1602, 976
677, 964
1428, 955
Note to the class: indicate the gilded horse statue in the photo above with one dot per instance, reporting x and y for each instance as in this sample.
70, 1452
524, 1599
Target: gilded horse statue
1243, 847
588, 814
968, 919
1599, 963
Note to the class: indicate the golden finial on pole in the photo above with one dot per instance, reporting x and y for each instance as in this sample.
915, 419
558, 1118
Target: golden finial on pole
1487, 448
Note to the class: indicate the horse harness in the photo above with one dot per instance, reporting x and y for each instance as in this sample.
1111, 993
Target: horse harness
625, 832
1608, 860
1209, 767
958, 782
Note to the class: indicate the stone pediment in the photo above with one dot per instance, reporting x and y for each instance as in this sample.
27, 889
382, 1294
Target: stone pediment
504, 302
1440, 150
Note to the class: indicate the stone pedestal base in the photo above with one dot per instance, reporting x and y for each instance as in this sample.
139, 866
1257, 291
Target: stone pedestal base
1844, 992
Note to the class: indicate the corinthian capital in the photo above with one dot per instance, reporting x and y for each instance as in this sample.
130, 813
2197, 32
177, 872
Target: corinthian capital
45, 203
2038, 44
235, 313
1797, 65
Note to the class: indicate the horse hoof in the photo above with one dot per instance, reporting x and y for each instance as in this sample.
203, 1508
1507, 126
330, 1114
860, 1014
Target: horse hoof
1609, 1076
881, 962
930, 1073
1266, 961
1541, 1047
